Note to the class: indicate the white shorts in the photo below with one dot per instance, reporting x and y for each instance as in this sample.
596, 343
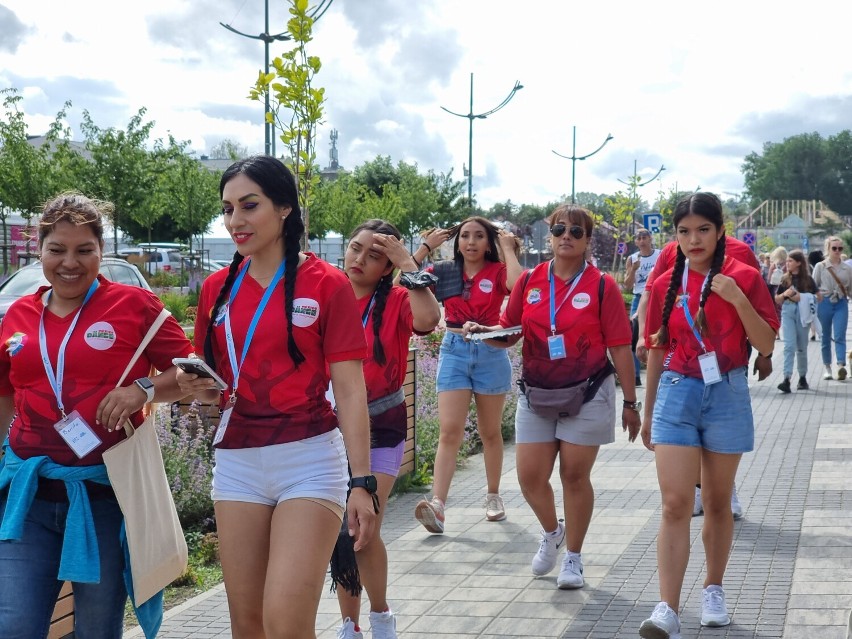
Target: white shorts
315, 468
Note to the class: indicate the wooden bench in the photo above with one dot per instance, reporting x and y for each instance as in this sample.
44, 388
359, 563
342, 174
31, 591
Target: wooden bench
62, 622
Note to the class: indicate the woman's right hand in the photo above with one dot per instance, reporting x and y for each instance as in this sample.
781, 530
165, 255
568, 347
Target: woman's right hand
435, 238
645, 432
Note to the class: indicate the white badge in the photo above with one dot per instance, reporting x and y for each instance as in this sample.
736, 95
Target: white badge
709, 368
223, 425
556, 346
77, 434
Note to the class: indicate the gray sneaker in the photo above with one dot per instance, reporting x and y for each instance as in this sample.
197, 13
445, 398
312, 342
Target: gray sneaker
697, 505
736, 507
714, 612
662, 624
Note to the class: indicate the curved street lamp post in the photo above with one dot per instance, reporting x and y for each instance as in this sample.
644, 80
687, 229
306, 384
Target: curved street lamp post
634, 185
470, 117
573, 157
268, 38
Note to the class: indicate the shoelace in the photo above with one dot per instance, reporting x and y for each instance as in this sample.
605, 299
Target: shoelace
714, 601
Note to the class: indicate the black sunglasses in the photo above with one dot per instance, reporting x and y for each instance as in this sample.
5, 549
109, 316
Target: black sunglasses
836, 248
577, 232
466, 286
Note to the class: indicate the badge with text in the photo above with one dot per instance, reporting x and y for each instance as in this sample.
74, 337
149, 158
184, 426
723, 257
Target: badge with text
223, 425
709, 368
556, 346
77, 434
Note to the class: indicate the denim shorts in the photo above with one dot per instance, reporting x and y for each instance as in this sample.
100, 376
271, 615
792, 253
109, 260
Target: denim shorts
717, 417
315, 468
387, 460
472, 365
594, 425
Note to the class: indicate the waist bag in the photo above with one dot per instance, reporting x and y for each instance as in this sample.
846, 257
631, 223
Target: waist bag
554, 403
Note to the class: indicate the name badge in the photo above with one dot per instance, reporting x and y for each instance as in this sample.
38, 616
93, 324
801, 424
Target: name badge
223, 425
77, 434
556, 346
709, 368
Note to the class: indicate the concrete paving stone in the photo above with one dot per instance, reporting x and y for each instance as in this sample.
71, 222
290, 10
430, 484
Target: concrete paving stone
523, 627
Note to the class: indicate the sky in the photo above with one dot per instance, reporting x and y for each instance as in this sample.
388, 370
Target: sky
693, 86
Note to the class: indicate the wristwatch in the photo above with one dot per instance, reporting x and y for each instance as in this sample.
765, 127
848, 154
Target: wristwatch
367, 482
147, 387
637, 406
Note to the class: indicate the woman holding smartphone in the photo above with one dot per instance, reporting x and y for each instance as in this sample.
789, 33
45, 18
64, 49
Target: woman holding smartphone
274, 325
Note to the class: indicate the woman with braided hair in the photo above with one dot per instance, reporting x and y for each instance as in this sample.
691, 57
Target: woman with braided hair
276, 325
390, 315
698, 412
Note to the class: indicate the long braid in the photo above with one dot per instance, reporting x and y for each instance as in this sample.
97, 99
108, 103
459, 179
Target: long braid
293, 230
233, 269
382, 292
715, 268
662, 335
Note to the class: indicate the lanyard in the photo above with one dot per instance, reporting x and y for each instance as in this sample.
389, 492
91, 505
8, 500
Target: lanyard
55, 378
685, 304
229, 336
366, 316
553, 308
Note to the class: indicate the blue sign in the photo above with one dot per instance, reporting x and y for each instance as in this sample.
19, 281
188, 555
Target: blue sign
750, 239
653, 222
805, 244
622, 248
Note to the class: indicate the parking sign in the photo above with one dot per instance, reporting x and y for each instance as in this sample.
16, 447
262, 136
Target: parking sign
653, 222
750, 239
622, 248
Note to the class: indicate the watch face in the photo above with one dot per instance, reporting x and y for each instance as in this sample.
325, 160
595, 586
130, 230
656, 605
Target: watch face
145, 383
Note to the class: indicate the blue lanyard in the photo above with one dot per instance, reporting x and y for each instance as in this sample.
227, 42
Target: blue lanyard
685, 304
55, 378
366, 316
553, 308
229, 336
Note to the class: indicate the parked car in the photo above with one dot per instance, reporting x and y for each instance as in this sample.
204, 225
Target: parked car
28, 279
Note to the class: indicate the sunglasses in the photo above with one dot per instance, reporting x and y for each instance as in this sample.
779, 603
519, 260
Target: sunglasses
468, 284
836, 248
558, 230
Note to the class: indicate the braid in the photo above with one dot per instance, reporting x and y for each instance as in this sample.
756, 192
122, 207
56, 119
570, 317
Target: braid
662, 335
293, 229
715, 267
220, 299
382, 292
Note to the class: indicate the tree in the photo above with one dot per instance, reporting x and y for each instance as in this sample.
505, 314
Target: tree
229, 150
300, 100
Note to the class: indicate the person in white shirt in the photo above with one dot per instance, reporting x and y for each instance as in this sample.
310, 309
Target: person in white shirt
639, 266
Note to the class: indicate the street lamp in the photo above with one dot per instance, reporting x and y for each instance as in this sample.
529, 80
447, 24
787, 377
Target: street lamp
471, 116
634, 184
573, 157
316, 14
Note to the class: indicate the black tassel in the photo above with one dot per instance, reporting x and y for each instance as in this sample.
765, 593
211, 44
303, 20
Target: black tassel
344, 566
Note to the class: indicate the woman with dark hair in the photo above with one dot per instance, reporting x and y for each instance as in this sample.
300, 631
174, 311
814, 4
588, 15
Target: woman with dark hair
796, 297
833, 277
472, 287
698, 418
390, 315
571, 316
276, 325
65, 349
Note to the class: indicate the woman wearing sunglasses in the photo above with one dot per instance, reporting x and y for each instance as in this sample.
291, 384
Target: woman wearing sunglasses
571, 315
834, 279
472, 287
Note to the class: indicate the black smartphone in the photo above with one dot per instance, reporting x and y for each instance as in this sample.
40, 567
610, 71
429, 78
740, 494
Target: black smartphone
199, 367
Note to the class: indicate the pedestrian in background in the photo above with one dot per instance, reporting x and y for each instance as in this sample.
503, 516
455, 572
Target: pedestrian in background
796, 294
834, 279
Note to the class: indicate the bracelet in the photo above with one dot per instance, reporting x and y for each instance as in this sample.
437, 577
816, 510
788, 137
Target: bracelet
417, 279
428, 248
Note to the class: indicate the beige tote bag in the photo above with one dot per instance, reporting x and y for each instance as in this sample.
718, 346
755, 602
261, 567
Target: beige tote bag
158, 552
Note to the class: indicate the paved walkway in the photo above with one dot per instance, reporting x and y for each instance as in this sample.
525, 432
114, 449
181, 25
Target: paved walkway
789, 576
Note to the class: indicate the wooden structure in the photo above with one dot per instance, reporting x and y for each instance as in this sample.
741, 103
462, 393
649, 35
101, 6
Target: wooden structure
62, 623
770, 213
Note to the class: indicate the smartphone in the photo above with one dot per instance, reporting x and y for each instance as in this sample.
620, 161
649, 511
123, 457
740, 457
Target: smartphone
199, 367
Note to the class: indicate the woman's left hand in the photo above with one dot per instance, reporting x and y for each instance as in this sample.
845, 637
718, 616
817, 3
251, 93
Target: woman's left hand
726, 288
630, 423
118, 405
361, 516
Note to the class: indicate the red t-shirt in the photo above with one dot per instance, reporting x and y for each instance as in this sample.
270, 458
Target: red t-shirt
277, 403
588, 326
726, 335
389, 428
487, 292
111, 326
734, 248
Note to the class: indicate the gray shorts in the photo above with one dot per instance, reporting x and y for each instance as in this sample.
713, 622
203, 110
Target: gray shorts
593, 426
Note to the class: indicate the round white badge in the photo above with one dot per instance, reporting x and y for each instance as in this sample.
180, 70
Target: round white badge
305, 311
486, 286
534, 296
100, 336
581, 300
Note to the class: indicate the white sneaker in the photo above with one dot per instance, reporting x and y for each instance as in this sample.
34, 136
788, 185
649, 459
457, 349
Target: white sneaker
697, 506
571, 575
736, 507
494, 509
383, 625
827, 374
548, 551
348, 630
662, 624
714, 612
431, 514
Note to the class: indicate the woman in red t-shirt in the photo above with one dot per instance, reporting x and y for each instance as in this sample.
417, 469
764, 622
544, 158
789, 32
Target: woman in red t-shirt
390, 315
275, 325
702, 314
472, 287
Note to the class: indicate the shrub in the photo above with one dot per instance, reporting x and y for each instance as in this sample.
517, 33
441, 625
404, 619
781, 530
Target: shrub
177, 304
164, 279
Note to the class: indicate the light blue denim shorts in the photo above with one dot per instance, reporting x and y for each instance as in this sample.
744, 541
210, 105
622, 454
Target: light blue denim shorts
472, 365
717, 417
